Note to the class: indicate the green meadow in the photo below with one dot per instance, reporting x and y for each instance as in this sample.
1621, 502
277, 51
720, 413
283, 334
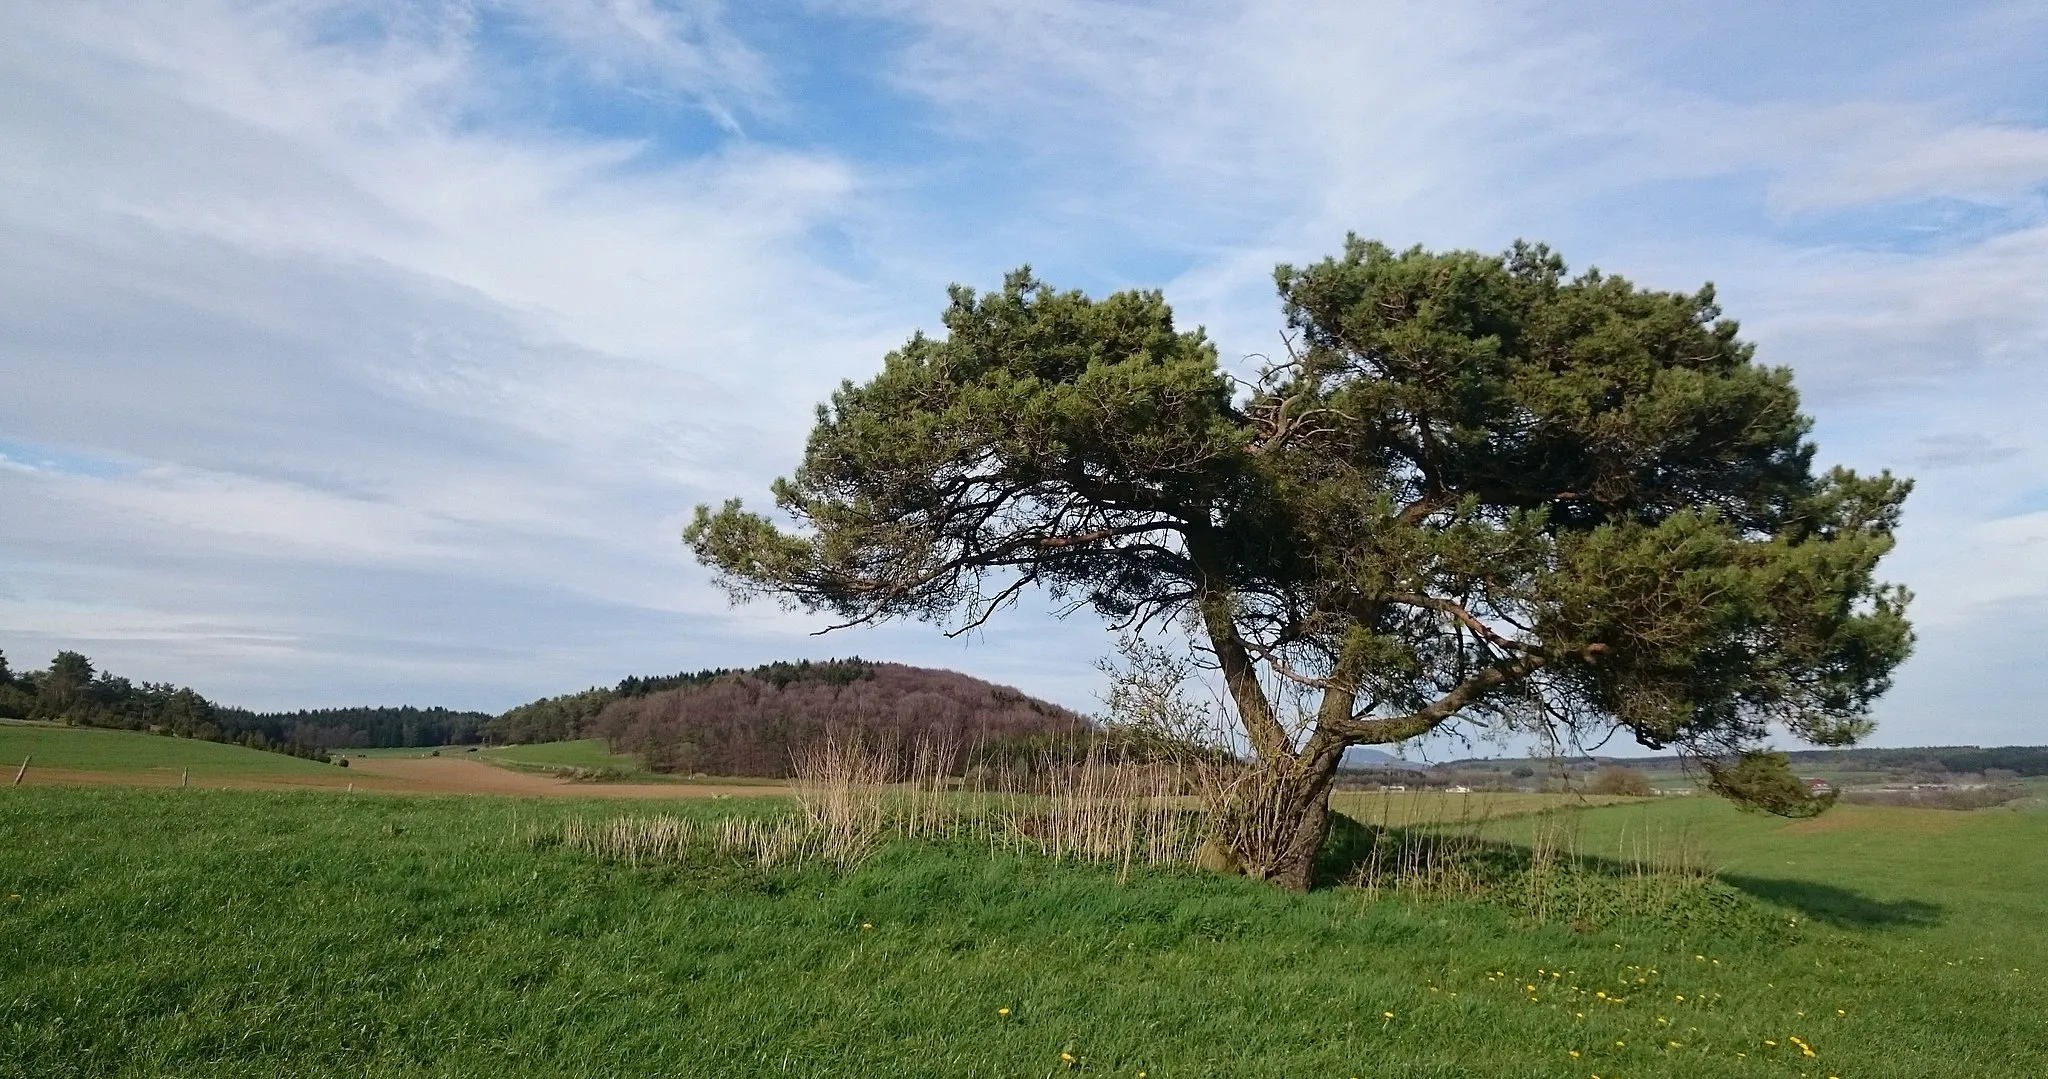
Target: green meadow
584, 756
206, 932
589, 753
90, 749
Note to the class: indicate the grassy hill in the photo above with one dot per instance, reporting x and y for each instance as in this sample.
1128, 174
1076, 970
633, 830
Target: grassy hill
148, 932
89, 749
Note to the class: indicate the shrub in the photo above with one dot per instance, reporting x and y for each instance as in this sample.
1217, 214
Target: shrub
1615, 779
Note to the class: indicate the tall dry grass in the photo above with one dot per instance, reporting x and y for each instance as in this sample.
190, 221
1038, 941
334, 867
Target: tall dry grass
1100, 809
1107, 809
851, 797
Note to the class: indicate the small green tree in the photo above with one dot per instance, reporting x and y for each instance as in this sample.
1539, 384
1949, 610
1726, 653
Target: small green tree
1474, 492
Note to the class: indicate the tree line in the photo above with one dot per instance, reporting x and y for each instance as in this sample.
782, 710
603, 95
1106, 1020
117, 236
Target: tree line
73, 690
732, 721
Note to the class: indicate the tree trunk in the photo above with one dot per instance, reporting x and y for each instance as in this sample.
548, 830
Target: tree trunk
1274, 815
1295, 868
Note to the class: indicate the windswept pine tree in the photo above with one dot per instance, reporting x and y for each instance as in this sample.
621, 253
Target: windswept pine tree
1476, 492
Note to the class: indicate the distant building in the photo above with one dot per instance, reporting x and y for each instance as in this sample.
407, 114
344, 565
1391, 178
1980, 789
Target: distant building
1819, 787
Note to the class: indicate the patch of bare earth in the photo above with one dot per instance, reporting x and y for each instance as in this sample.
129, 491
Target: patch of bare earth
453, 775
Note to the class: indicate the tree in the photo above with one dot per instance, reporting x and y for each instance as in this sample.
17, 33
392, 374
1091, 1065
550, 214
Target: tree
63, 690
1474, 493
1618, 779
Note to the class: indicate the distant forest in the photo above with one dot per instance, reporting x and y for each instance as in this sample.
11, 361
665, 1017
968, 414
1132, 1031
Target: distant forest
733, 722
725, 721
73, 691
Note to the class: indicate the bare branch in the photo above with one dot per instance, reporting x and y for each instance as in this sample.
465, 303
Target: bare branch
1470, 620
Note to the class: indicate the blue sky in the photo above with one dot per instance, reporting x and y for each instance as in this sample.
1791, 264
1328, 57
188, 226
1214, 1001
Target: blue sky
376, 351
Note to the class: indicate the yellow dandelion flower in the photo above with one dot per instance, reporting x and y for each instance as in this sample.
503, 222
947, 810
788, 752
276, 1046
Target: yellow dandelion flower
1581, 1015
1388, 1015
1680, 996
1004, 1012
867, 925
1621, 1045
1839, 1011
1602, 994
1701, 958
1067, 1058
1769, 1042
1674, 1045
1575, 1054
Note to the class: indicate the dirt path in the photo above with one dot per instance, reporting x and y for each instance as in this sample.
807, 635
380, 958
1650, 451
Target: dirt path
453, 775
412, 775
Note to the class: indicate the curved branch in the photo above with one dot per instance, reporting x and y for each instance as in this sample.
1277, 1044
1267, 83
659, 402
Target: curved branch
1366, 731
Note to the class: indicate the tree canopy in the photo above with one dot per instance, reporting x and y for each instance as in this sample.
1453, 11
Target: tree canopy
1473, 490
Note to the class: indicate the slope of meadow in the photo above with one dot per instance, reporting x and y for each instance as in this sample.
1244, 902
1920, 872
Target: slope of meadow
206, 932
94, 750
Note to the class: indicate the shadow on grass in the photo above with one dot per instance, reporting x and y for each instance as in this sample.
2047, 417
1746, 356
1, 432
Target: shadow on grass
1352, 847
1480, 866
1838, 906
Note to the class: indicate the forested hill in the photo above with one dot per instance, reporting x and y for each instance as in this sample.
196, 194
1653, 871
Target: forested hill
759, 722
552, 719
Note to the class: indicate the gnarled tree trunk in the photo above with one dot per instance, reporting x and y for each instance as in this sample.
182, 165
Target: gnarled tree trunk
1274, 814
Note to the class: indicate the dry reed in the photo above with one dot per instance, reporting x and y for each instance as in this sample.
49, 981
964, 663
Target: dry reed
1108, 809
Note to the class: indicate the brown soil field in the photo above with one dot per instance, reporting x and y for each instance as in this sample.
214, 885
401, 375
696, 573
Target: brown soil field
420, 775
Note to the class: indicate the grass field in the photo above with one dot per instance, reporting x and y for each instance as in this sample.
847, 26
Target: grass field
589, 754
1403, 808
151, 932
86, 749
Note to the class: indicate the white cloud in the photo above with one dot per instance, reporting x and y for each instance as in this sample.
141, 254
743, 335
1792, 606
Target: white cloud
405, 363
339, 323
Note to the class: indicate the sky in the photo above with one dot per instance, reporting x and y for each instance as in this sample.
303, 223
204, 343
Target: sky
376, 352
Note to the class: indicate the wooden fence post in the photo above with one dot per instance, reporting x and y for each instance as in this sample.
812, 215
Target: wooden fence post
22, 771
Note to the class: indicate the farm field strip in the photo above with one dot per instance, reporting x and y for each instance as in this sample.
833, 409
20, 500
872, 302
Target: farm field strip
90, 756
